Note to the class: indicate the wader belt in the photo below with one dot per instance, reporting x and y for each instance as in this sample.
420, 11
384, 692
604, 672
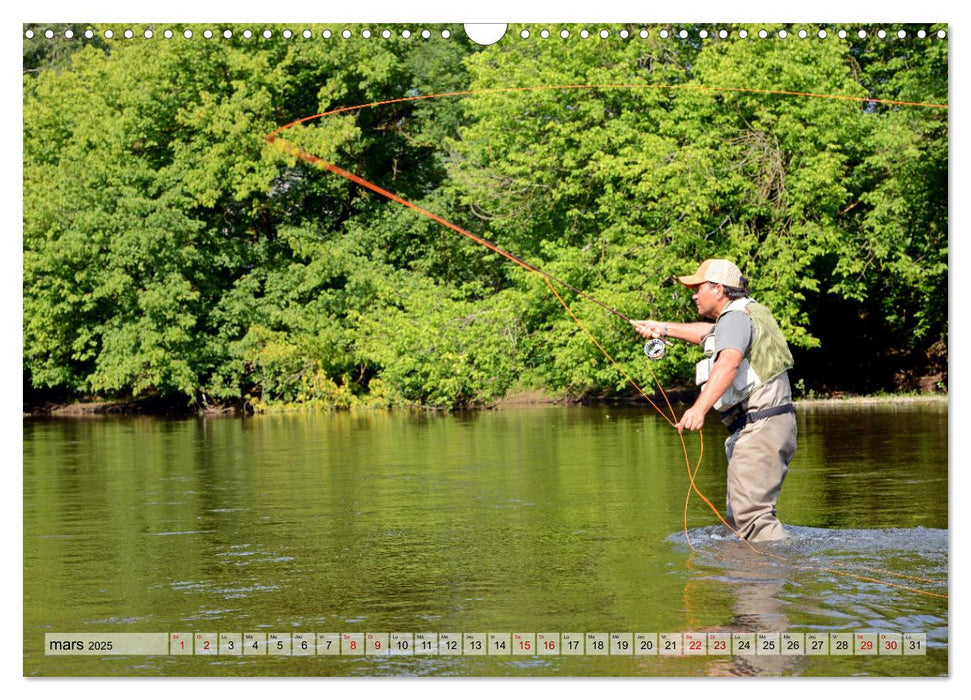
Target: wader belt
739, 419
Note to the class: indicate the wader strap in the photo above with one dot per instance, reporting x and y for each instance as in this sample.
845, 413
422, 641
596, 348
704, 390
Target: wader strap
744, 419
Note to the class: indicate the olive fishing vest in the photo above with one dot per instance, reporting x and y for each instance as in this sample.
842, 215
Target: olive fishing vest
768, 356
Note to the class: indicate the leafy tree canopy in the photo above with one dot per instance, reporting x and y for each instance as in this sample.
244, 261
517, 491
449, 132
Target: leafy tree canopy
169, 250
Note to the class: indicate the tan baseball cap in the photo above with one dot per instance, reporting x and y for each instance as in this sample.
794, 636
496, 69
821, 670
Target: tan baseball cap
717, 271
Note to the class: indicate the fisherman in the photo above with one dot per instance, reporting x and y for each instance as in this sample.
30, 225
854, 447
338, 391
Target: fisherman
745, 377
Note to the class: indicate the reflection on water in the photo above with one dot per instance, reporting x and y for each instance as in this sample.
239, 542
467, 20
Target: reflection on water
548, 519
892, 580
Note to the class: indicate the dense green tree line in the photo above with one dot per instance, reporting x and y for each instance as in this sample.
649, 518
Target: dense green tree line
169, 250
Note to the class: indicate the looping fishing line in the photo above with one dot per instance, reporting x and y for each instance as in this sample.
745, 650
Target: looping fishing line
301, 154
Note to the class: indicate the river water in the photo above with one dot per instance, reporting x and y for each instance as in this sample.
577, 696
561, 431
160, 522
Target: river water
528, 520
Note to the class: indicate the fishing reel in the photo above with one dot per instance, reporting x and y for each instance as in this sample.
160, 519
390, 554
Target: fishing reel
655, 349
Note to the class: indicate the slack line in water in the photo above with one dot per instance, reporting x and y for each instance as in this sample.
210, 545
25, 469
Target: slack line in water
653, 350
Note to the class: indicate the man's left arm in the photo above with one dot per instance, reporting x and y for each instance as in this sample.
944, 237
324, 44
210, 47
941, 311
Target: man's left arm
722, 375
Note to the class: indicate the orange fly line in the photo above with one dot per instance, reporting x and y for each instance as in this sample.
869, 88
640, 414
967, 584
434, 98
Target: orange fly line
301, 154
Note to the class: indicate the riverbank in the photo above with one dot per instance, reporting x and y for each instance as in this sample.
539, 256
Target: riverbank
107, 407
100, 408
873, 400
538, 398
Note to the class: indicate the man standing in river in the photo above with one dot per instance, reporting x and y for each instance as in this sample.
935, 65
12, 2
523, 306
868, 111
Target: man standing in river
745, 377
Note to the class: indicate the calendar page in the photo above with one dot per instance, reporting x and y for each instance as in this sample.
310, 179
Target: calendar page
334, 345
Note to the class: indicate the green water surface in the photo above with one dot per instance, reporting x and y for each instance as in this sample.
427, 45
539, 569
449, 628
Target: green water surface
545, 519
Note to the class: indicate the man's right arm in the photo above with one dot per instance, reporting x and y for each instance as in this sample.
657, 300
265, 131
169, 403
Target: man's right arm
691, 332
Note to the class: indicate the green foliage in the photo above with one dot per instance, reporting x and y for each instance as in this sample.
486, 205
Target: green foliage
625, 188
440, 351
168, 249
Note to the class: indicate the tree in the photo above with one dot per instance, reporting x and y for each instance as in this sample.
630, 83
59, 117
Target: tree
169, 250
727, 150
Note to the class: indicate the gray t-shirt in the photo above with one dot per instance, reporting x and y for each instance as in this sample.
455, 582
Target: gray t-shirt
734, 330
